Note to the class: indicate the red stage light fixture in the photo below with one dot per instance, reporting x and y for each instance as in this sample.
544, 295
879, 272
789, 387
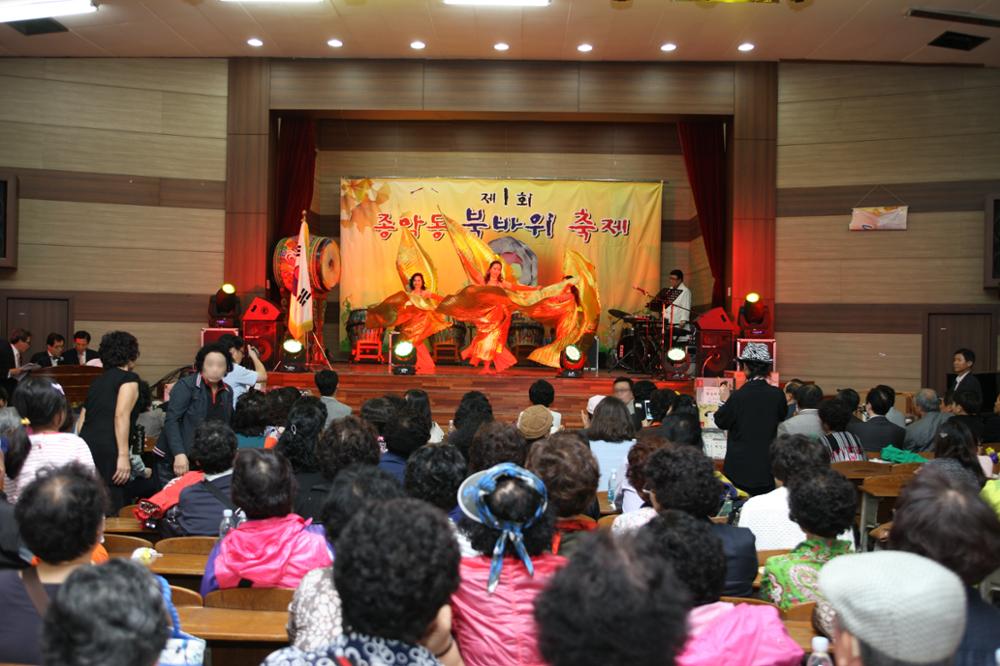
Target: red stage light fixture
572, 361
755, 317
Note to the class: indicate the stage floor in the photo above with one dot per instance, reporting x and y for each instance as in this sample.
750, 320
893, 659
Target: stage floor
507, 392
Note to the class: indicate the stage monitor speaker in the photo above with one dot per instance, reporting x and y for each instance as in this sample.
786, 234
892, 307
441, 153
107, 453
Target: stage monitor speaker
717, 319
262, 328
715, 353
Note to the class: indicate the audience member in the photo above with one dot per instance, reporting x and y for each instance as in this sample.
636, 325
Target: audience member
767, 515
643, 391
684, 479
569, 471
660, 403
544, 394
962, 362
241, 379
434, 473
420, 402
112, 614
991, 424
718, 632
806, 419
52, 356
683, 429
823, 505
201, 396
406, 433
843, 446
939, 518
751, 416
966, 411
379, 412
510, 525
394, 600
250, 419
623, 388
850, 398
955, 454
613, 603
894, 608
299, 440
791, 386
274, 547
39, 441
150, 416
611, 434
80, 354
473, 410
878, 432
347, 441
314, 616
279, 403
534, 423
11, 359
61, 517
684, 404
200, 507
496, 443
326, 383
637, 510
109, 414
587, 414
894, 415
920, 434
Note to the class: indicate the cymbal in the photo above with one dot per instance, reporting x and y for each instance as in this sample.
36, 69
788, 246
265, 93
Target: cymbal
618, 314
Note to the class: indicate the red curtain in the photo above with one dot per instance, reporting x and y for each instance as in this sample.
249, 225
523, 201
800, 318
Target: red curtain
296, 165
704, 146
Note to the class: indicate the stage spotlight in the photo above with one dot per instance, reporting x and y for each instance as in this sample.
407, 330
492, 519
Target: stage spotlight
754, 317
676, 354
404, 358
572, 361
678, 365
224, 308
293, 356
753, 297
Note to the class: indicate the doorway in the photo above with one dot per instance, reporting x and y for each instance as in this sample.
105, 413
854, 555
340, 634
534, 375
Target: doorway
41, 316
948, 332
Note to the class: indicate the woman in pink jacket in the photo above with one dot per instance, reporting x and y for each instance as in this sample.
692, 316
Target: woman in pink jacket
274, 547
508, 521
718, 632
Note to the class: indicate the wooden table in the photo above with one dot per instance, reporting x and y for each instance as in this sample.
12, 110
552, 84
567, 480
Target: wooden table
130, 526
179, 564
236, 636
802, 632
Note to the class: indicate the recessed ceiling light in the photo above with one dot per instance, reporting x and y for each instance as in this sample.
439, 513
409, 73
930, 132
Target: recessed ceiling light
417, 45
745, 47
24, 11
335, 43
499, 3
254, 42
585, 48
501, 46
668, 47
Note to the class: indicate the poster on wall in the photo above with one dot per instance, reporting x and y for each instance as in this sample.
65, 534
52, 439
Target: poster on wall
530, 223
879, 218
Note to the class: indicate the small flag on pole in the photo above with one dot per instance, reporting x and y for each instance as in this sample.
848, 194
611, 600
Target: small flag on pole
300, 312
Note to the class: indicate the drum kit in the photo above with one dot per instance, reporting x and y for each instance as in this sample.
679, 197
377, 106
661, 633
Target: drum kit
644, 339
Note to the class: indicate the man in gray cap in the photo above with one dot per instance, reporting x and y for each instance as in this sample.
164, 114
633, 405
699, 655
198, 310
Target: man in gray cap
920, 434
894, 608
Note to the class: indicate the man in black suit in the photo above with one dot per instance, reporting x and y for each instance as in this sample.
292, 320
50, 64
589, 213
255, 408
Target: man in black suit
79, 355
11, 358
965, 381
878, 431
54, 345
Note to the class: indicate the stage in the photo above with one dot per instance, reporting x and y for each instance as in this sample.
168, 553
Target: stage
507, 392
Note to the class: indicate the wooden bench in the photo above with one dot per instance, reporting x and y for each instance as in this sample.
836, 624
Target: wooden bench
873, 490
236, 637
250, 598
187, 545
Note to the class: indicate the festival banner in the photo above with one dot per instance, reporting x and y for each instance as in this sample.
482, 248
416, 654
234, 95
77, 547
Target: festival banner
530, 223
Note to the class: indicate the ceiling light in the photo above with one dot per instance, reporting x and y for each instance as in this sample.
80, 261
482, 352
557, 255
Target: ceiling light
501, 46
417, 45
24, 10
254, 42
335, 43
745, 47
585, 48
668, 47
499, 3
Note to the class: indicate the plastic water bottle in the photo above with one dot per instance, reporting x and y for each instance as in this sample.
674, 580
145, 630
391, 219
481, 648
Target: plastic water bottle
612, 486
820, 652
228, 524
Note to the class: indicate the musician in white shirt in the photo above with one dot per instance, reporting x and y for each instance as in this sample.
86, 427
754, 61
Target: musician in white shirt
681, 308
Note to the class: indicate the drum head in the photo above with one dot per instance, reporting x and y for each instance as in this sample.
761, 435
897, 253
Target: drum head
329, 265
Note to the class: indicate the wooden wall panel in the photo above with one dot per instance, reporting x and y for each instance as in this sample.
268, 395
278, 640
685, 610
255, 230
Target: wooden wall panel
838, 81
695, 88
125, 306
938, 259
119, 189
163, 346
346, 84
201, 76
501, 86
934, 197
855, 360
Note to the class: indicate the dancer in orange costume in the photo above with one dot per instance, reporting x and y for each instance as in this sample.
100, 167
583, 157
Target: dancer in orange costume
413, 311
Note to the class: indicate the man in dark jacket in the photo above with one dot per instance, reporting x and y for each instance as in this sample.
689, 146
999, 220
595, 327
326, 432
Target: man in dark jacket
751, 416
80, 353
201, 505
52, 356
878, 431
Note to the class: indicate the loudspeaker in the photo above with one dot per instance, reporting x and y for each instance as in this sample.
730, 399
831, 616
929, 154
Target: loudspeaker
263, 335
715, 353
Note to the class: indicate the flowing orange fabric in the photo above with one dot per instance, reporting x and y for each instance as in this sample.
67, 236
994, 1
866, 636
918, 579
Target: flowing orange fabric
415, 316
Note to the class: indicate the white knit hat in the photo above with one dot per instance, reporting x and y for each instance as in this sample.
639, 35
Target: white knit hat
593, 402
903, 605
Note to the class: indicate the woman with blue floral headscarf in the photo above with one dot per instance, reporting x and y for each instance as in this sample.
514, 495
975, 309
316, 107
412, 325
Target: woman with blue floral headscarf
510, 524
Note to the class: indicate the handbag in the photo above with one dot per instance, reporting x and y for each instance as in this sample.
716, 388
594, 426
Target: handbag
137, 440
181, 649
